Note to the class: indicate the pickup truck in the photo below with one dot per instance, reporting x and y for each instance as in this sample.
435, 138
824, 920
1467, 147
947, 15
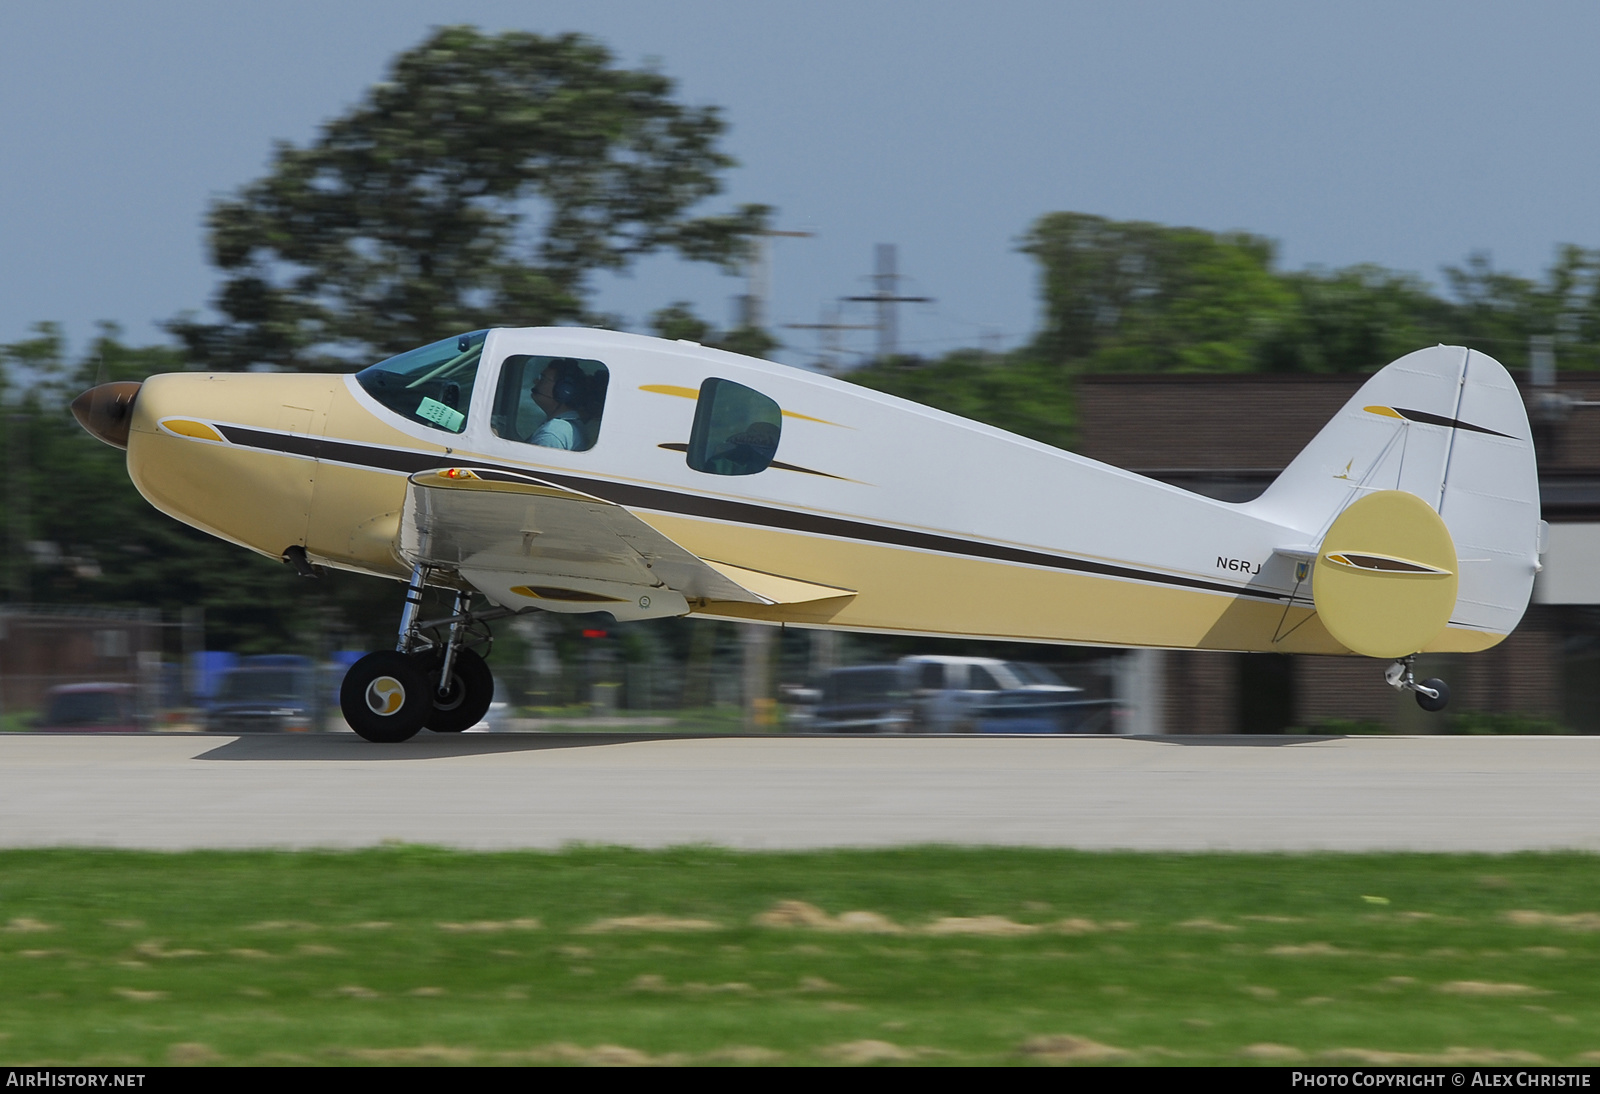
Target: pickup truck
985, 695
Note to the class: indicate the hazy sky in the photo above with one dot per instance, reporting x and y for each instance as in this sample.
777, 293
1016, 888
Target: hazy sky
1406, 134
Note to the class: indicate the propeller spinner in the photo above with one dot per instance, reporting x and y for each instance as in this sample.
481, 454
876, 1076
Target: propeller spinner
106, 411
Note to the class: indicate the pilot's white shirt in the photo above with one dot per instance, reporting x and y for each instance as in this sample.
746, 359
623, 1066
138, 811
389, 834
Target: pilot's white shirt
562, 431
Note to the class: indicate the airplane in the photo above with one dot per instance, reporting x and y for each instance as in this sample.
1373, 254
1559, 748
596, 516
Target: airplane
579, 470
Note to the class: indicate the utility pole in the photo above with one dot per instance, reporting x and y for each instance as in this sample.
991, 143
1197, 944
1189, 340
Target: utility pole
760, 708
886, 281
829, 329
17, 511
1550, 408
758, 277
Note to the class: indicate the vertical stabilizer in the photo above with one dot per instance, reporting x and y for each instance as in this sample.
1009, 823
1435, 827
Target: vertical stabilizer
1447, 425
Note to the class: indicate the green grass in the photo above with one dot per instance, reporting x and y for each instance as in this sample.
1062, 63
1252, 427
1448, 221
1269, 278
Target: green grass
18, 721
409, 954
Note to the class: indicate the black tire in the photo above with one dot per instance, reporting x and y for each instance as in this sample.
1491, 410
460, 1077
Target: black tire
385, 697
468, 696
1434, 705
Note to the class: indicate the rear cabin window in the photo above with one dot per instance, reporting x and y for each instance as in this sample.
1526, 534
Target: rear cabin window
431, 385
736, 429
981, 679
553, 402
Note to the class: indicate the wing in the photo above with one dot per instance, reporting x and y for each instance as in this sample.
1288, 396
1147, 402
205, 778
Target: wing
525, 542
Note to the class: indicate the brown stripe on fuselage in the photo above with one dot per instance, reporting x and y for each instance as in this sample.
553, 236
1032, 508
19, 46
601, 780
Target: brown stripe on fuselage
633, 496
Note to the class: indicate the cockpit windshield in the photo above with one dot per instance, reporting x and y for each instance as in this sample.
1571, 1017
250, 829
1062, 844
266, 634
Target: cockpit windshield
431, 385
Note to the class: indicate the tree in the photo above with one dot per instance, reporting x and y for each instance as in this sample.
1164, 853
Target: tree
1129, 296
1499, 312
678, 320
1356, 319
479, 185
78, 533
1020, 392
1138, 297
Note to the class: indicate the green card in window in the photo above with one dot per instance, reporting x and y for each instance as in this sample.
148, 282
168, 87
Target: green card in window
439, 414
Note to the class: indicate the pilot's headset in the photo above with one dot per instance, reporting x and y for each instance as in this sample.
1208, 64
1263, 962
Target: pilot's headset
570, 382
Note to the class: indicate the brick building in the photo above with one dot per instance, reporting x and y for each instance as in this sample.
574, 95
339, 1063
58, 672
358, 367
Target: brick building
1228, 437
44, 646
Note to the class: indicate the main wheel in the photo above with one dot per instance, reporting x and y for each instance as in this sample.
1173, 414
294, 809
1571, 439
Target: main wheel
385, 697
463, 702
1434, 705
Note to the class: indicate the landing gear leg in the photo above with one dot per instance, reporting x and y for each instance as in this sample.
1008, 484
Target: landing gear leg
387, 695
462, 685
1432, 694
410, 640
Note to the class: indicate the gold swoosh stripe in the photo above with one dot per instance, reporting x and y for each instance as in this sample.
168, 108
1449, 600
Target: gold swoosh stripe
694, 393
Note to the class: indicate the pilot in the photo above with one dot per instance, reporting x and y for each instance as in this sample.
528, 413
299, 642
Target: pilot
559, 393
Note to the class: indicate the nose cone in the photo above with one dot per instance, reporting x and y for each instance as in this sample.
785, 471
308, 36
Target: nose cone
107, 410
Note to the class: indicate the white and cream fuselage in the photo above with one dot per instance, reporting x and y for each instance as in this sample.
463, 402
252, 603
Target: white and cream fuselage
876, 513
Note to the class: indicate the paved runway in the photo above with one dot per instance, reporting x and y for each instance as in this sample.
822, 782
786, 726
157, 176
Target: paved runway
545, 790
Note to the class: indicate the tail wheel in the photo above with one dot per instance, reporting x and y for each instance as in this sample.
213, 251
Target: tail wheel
1434, 704
386, 697
464, 700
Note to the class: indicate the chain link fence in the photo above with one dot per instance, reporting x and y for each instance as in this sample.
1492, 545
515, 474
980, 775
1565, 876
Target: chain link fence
100, 670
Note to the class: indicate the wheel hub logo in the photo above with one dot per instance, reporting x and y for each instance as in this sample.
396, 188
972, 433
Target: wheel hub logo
385, 695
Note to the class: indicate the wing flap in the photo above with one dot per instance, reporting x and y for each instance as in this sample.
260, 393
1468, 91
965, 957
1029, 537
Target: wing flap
775, 589
525, 542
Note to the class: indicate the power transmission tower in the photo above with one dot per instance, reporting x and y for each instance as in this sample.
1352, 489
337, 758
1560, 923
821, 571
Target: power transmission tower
886, 297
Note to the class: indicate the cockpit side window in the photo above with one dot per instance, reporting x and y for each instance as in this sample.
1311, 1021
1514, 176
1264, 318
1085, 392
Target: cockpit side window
431, 385
736, 429
553, 402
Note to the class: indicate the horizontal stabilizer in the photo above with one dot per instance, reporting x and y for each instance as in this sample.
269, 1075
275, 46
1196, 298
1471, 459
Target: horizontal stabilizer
1385, 581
